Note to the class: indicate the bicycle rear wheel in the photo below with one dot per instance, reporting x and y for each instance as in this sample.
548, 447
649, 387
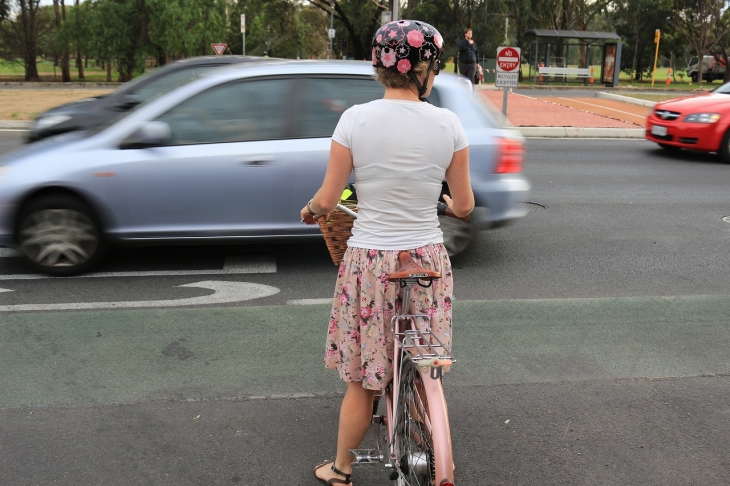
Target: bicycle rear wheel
422, 435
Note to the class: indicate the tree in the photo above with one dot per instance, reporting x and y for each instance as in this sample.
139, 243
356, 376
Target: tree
61, 40
359, 19
19, 34
701, 23
636, 21
120, 33
280, 28
4, 9
186, 28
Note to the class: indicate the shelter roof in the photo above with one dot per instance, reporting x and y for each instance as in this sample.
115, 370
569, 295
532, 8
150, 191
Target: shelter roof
573, 34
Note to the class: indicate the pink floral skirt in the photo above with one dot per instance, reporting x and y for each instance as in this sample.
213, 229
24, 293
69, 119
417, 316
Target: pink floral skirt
359, 338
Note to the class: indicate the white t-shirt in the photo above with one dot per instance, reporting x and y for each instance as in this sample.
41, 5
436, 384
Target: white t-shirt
400, 153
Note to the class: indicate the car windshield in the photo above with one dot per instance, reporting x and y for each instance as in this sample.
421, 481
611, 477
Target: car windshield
724, 89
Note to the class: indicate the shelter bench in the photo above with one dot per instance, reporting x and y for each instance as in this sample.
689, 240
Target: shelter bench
562, 71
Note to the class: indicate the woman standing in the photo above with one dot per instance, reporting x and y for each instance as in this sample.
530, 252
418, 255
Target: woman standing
401, 149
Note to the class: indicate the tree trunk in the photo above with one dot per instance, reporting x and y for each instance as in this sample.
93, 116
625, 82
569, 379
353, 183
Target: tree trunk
108, 70
64, 55
80, 63
636, 53
27, 12
79, 59
700, 66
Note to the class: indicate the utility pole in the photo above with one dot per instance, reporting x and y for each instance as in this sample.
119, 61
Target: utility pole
268, 42
395, 9
332, 26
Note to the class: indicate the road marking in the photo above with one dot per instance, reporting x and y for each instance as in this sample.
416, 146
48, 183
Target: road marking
236, 265
9, 252
643, 117
6, 290
309, 301
223, 293
13, 129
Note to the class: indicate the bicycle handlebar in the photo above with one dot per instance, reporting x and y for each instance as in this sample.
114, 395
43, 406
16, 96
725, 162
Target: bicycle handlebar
441, 209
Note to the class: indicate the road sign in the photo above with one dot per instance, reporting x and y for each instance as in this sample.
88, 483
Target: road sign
508, 59
508, 67
219, 48
243, 23
506, 80
331, 33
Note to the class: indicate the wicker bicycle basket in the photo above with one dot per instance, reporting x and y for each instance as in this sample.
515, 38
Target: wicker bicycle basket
336, 230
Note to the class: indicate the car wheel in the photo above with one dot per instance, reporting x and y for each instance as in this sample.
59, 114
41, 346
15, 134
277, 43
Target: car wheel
725, 148
668, 147
59, 235
693, 76
457, 234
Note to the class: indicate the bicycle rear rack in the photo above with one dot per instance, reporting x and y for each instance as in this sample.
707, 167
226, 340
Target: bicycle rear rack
423, 347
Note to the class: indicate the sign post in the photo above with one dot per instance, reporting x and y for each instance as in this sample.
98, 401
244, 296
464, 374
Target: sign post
219, 48
508, 72
657, 35
243, 32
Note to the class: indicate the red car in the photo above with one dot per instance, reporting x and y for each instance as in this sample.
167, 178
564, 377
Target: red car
698, 123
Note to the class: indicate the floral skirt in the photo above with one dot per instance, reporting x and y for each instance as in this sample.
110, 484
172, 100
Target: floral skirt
359, 338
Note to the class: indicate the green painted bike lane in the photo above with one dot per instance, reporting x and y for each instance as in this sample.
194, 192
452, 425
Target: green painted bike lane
132, 356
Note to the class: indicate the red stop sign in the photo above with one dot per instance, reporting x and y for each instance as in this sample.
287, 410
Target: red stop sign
508, 59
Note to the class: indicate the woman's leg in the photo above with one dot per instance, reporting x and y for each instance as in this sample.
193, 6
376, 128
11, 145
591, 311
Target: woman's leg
355, 415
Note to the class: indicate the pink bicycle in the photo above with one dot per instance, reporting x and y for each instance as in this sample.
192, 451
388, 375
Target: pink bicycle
412, 436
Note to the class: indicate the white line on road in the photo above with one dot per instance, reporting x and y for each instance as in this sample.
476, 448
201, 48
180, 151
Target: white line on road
643, 117
235, 265
309, 301
223, 292
9, 252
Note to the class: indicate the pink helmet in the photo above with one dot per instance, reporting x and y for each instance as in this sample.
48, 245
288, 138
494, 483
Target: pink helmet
402, 44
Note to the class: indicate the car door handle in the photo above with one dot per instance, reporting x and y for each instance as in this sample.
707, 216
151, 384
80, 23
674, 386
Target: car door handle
257, 162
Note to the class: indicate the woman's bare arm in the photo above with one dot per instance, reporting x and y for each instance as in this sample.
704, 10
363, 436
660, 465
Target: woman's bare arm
461, 201
338, 173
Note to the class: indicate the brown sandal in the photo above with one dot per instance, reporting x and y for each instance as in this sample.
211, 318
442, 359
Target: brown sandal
330, 482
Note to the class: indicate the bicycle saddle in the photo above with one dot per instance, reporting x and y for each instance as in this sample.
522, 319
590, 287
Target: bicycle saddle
407, 268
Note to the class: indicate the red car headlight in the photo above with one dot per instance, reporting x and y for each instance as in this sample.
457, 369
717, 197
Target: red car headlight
702, 118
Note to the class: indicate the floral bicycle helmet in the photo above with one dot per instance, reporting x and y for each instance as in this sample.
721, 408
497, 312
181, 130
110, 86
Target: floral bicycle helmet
402, 44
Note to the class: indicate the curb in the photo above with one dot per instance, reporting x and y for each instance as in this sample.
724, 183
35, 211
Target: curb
22, 124
59, 85
575, 132
626, 99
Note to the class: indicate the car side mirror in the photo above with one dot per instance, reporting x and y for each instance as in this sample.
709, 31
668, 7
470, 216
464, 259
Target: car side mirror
128, 102
149, 134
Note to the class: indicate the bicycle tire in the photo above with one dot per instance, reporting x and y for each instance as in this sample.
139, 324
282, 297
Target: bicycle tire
423, 452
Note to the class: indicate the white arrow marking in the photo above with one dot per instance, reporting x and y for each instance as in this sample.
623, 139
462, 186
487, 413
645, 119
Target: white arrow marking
224, 292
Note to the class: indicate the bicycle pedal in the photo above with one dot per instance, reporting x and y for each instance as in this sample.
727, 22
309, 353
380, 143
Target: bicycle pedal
366, 456
377, 419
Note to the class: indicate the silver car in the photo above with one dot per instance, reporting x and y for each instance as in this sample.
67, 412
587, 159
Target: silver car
230, 157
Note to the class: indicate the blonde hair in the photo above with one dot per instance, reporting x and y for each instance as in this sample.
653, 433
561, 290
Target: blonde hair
392, 78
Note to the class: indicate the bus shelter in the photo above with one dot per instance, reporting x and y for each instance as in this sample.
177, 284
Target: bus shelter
556, 54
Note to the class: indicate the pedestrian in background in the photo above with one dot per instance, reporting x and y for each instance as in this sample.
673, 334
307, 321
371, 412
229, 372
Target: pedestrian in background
468, 56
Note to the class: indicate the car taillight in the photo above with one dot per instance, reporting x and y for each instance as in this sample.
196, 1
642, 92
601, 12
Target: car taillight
511, 155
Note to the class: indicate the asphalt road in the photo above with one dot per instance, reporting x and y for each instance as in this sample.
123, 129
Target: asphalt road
592, 339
